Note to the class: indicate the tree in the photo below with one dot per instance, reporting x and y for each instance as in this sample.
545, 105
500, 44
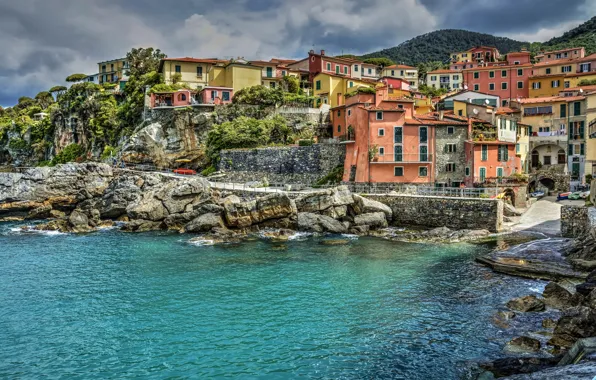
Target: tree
142, 61
383, 62
290, 84
259, 96
57, 90
44, 99
73, 78
425, 67
24, 102
176, 78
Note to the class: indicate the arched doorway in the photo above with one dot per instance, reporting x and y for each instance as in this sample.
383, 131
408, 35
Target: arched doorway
535, 158
509, 193
561, 157
548, 183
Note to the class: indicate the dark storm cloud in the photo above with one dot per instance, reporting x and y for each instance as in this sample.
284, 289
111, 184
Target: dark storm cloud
44, 41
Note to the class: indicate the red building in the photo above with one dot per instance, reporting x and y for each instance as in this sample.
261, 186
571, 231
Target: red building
489, 160
321, 63
502, 80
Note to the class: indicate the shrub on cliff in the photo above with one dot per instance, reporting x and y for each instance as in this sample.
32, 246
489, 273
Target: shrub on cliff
68, 154
259, 96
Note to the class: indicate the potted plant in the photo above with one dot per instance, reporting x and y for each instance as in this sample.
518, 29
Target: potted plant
372, 153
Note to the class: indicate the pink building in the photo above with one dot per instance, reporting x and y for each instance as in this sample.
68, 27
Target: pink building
216, 95
179, 98
321, 63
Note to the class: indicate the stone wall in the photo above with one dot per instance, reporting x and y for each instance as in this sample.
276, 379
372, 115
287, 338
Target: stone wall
458, 137
577, 220
454, 213
289, 165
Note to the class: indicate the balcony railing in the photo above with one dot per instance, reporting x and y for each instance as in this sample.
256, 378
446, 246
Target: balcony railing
478, 135
347, 137
390, 158
513, 180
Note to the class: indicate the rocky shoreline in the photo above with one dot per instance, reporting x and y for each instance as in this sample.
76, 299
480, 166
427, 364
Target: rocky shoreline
82, 198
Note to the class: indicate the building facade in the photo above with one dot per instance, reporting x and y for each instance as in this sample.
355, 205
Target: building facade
447, 79
113, 71
193, 71
506, 81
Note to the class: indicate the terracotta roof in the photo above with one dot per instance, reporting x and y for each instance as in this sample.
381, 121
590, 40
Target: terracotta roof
490, 68
375, 108
581, 74
557, 51
443, 71
555, 62
547, 75
507, 110
548, 99
591, 87
400, 67
590, 57
341, 60
519, 53
196, 60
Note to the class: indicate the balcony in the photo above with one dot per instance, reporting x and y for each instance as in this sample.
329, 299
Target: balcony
406, 158
551, 137
517, 179
347, 138
480, 135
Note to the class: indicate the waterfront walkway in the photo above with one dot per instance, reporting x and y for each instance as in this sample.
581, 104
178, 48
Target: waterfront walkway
544, 216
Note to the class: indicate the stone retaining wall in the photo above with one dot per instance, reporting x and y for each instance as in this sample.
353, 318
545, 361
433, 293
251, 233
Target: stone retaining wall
577, 221
454, 213
289, 165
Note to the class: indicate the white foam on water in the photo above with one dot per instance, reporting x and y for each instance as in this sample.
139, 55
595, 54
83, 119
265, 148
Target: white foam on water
31, 230
200, 242
301, 236
350, 236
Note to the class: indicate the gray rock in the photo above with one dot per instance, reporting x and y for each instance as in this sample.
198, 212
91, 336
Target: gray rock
506, 315
523, 344
586, 288
147, 208
509, 210
558, 297
244, 214
373, 220
42, 212
321, 200
580, 371
364, 205
319, 223
576, 323
79, 221
526, 304
591, 299
121, 192
205, 223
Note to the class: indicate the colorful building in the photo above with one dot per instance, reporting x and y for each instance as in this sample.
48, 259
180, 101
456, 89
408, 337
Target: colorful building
408, 73
193, 71
505, 81
274, 70
331, 89
590, 165
477, 54
114, 71
237, 75
572, 53
385, 141
209, 95
468, 96
448, 79
321, 63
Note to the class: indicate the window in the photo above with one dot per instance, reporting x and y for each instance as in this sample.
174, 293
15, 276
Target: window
345, 69
103, 68
338, 112
564, 55
566, 84
467, 172
554, 83
563, 110
397, 153
558, 56
460, 112
455, 77
422, 171
369, 71
397, 135
482, 174
423, 150
504, 86
450, 130
520, 72
318, 85
349, 112
450, 148
351, 84
112, 67
491, 74
337, 69
381, 151
381, 132
500, 172
517, 148
566, 69
213, 94
379, 115
520, 84
178, 69
585, 67
476, 87
401, 73
433, 78
423, 133
283, 73
516, 63
328, 66
392, 73
182, 97
547, 160
272, 84
503, 153
339, 129
225, 96
503, 73
199, 71
476, 75
356, 68
491, 86
484, 153
398, 171
576, 108
450, 167
547, 70
536, 85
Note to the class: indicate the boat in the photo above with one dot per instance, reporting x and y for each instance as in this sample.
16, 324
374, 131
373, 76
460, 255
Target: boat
562, 196
584, 194
537, 194
575, 196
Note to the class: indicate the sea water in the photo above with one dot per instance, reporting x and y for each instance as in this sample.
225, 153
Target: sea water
116, 305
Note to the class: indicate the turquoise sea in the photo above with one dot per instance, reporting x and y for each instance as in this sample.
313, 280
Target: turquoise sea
112, 305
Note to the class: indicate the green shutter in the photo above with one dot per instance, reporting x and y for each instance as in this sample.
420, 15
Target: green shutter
581, 130
563, 110
581, 149
570, 150
576, 108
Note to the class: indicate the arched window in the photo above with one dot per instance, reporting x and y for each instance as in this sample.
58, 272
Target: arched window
182, 97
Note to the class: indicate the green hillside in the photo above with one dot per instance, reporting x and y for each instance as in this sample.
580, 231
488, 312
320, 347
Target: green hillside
584, 35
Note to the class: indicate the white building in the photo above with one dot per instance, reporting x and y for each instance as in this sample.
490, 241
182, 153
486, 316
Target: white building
449, 79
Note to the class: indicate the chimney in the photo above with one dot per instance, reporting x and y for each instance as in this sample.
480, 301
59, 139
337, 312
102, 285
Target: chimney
311, 51
322, 52
469, 129
441, 115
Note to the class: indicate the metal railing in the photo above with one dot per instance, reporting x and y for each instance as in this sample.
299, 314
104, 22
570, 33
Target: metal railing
409, 189
500, 180
387, 158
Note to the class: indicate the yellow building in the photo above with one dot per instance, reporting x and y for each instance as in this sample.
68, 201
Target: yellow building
330, 88
574, 79
591, 133
274, 70
193, 71
114, 71
236, 75
408, 73
546, 85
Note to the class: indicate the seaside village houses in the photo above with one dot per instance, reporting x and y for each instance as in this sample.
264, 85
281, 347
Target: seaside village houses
502, 114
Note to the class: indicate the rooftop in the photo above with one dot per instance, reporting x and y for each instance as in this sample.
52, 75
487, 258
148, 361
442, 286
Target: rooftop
555, 62
549, 99
401, 67
444, 71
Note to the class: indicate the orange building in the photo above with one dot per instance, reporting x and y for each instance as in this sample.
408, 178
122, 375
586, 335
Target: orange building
385, 141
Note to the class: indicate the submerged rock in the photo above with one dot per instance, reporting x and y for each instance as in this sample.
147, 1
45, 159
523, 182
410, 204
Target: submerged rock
513, 366
558, 297
335, 242
549, 323
523, 344
576, 323
526, 304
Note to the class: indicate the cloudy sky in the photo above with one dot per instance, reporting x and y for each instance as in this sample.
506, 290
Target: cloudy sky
43, 41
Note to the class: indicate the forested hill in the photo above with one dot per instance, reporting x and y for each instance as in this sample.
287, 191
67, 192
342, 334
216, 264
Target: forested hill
437, 45
584, 35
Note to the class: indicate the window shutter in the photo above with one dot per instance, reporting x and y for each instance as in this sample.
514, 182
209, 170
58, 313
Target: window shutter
581, 149
499, 158
570, 150
581, 130
446, 148
506, 152
453, 167
454, 148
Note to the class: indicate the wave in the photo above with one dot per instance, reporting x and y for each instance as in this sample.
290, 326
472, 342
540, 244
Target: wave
31, 230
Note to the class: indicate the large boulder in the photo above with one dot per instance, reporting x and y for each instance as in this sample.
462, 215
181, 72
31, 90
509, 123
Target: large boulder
558, 297
586, 288
526, 304
79, 221
523, 344
205, 223
244, 214
121, 192
321, 200
364, 205
183, 194
576, 323
147, 208
509, 210
373, 220
319, 223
